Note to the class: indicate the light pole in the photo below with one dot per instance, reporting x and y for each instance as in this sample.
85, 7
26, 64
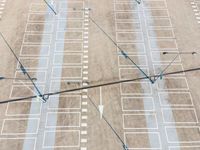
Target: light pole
177, 54
21, 79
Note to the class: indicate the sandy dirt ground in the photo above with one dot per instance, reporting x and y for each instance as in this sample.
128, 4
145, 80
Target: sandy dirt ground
80, 46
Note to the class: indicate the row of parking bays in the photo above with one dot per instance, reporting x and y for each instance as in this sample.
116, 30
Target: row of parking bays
145, 31
61, 49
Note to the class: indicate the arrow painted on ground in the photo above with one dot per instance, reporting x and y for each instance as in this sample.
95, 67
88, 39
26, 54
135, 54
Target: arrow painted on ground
101, 106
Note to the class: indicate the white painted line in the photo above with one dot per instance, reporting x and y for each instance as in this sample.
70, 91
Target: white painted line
130, 121
85, 90
84, 96
85, 56
66, 134
71, 102
184, 115
83, 124
85, 84
86, 33
190, 138
19, 112
83, 132
84, 110
16, 122
85, 72
85, 61
85, 67
84, 103
83, 140
179, 99
154, 135
130, 104
84, 117
69, 119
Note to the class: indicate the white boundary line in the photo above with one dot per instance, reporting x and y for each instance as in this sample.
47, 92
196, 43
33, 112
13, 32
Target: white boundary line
13, 86
159, 95
131, 29
50, 30
65, 107
181, 66
57, 131
146, 70
125, 3
68, 54
131, 40
71, 42
8, 114
182, 127
34, 34
130, 64
33, 58
21, 54
147, 83
67, 32
37, 21
176, 78
25, 125
130, 110
61, 81
176, 109
163, 40
67, 28
57, 126
145, 115
21, 138
70, 67
161, 37
145, 133
29, 82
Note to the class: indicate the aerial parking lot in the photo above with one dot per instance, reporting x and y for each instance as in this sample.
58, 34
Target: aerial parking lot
100, 75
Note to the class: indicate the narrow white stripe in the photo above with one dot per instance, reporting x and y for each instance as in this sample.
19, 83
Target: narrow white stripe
85, 67
83, 140
83, 124
84, 103
85, 78
83, 132
84, 117
86, 61
84, 110
84, 96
